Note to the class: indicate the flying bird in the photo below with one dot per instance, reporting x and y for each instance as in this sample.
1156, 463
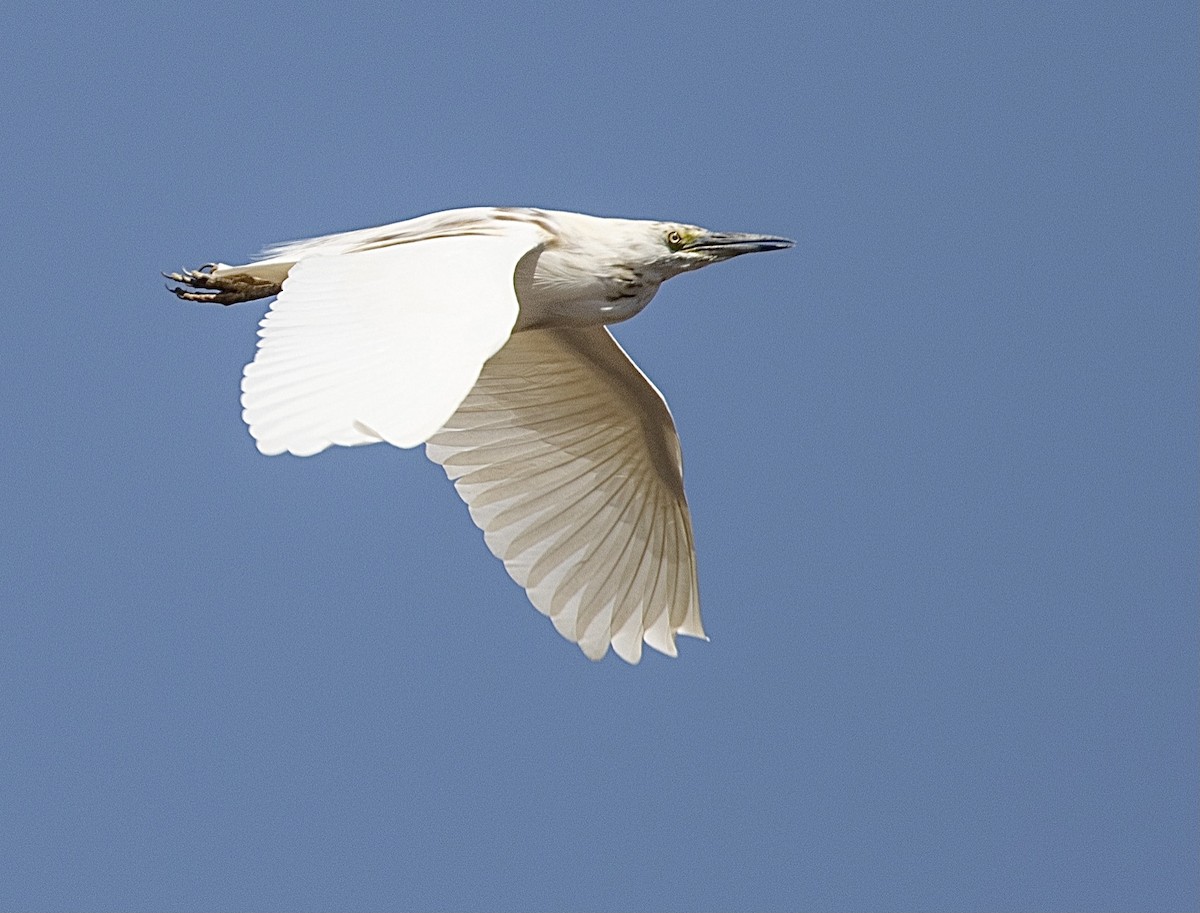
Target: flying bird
482, 333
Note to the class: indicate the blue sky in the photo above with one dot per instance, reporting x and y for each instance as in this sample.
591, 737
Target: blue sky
941, 457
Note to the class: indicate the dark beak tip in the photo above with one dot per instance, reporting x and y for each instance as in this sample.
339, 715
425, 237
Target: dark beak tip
777, 244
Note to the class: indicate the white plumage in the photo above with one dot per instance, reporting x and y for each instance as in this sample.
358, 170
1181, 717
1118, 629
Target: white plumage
481, 333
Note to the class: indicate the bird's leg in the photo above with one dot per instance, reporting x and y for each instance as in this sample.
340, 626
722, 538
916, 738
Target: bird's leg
232, 288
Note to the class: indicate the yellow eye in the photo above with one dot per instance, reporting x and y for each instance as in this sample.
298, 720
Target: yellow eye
674, 240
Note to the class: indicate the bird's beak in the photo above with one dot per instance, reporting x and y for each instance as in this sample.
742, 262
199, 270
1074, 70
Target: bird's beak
732, 244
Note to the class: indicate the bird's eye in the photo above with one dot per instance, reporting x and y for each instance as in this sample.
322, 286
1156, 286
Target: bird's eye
674, 240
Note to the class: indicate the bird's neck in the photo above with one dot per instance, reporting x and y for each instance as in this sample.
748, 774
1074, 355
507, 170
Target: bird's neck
563, 289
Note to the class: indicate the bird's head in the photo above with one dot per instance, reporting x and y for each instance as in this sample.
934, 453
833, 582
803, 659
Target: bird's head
677, 248
618, 264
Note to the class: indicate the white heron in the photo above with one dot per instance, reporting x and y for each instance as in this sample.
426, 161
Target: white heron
482, 333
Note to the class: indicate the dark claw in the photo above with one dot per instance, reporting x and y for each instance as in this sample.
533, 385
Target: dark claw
192, 277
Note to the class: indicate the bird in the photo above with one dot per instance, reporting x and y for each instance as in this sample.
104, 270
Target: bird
482, 333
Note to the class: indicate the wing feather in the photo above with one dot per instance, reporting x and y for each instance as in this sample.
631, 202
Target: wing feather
569, 462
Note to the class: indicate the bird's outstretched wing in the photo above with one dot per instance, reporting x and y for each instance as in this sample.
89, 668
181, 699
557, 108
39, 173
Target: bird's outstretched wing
569, 462
381, 344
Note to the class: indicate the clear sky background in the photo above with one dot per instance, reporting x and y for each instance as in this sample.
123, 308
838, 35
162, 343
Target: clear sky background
942, 461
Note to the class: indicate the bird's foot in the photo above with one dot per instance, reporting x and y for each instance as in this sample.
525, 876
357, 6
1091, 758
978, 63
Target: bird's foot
226, 289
